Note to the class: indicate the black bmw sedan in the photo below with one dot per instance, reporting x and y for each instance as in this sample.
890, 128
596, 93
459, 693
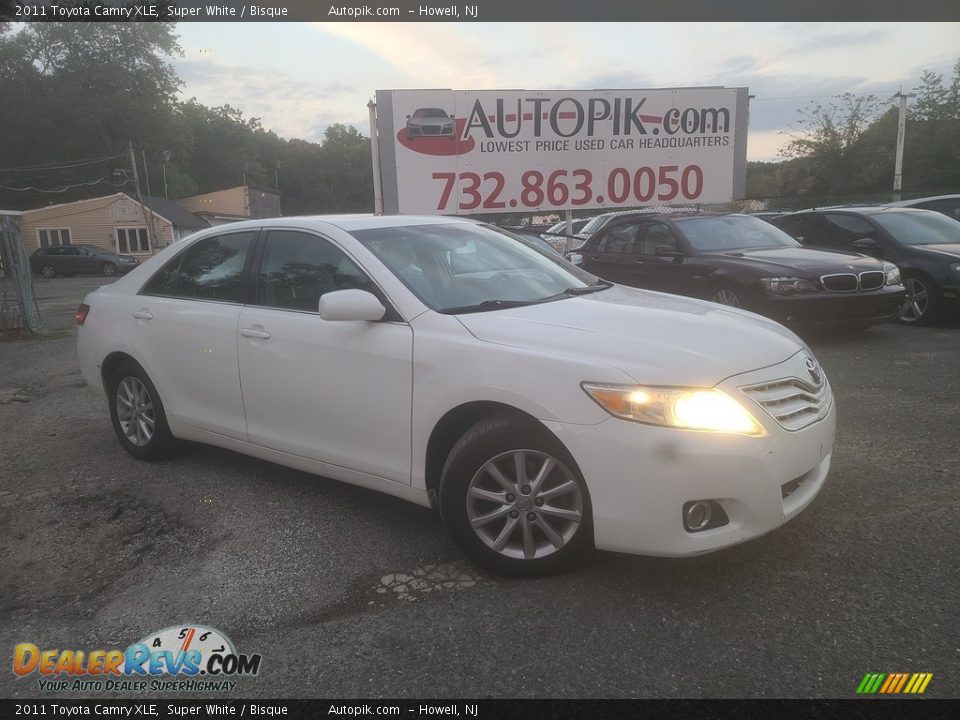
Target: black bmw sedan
924, 244
748, 263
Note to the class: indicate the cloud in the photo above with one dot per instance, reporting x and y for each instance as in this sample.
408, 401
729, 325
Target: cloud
436, 54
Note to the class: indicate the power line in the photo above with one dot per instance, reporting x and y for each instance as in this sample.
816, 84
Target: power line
60, 165
31, 188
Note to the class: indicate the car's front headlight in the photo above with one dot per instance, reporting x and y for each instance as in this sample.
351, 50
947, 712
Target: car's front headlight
787, 285
892, 274
678, 407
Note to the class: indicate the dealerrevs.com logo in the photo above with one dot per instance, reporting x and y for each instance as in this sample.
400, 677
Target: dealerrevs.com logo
189, 658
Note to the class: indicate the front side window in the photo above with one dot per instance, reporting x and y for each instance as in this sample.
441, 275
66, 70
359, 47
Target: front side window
52, 237
462, 267
299, 268
210, 269
656, 235
132, 240
620, 239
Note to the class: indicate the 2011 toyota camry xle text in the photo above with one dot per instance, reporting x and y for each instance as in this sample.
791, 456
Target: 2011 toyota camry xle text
543, 411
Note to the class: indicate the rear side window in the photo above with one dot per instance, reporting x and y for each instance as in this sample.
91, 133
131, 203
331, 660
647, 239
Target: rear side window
211, 269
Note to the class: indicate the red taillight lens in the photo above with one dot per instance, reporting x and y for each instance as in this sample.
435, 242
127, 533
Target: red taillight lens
81, 314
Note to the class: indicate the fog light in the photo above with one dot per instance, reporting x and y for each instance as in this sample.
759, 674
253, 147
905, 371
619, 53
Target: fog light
697, 515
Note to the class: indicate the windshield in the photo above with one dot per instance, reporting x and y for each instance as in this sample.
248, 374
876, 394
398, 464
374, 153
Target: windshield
920, 227
464, 267
733, 232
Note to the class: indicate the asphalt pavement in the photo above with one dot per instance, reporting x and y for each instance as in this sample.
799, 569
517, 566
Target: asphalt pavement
348, 593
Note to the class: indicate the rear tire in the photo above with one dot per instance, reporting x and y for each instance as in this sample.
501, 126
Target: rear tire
48, 271
514, 501
137, 413
108, 269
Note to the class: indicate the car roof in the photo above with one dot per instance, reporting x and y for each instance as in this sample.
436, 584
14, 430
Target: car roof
915, 201
863, 209
348, 223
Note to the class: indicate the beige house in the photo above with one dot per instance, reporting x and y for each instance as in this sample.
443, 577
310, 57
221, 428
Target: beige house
237, 203
118, 223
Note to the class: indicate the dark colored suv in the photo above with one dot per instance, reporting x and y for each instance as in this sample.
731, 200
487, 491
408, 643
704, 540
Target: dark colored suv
79, 259
924, 244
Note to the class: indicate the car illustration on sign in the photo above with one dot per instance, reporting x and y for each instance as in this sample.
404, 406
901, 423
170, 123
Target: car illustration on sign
430, 122
542, 411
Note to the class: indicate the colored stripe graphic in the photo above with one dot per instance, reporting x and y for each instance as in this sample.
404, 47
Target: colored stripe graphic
894, 683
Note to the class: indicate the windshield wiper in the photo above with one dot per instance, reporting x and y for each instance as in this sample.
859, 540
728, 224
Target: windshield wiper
487, 305
587, 289
497, 304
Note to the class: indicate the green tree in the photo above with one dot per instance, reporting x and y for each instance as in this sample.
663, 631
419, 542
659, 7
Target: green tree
932, 98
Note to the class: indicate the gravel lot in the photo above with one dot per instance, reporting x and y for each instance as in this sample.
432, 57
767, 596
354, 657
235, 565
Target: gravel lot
97, 549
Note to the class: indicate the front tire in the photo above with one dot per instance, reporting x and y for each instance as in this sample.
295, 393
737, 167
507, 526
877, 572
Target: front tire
728, 295
48, 271
920, 305
137, 413
108, 269
514, 501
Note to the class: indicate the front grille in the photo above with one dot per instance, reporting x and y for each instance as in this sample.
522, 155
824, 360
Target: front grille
841, 282
871, 280
431, 129
792, 402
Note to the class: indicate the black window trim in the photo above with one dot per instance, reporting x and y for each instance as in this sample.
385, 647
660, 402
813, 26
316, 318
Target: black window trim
392, 315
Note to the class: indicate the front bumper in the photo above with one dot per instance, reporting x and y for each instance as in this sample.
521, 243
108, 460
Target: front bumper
639, 476
824, 308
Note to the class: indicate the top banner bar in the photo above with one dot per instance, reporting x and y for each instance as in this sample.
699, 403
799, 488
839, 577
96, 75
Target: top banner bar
480, 11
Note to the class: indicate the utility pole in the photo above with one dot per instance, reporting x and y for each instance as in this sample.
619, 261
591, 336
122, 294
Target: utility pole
901, 128
136, 182
146, 177
163, 167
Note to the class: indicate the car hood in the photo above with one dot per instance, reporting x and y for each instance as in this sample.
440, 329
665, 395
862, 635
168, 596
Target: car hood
950, 249
657, 339
808, 260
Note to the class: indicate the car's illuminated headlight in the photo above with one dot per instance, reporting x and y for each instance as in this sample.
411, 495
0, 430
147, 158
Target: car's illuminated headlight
892, 274
787, 285
679, 407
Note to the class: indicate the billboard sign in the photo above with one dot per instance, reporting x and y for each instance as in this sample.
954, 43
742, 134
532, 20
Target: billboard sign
498, 151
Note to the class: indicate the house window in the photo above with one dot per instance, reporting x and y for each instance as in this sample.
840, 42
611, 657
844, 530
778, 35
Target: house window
49, 237
132, 240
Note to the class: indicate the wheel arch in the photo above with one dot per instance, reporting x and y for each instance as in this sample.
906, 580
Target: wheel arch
451, 427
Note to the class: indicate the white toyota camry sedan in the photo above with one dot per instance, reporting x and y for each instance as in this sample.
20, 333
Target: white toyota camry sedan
543, 411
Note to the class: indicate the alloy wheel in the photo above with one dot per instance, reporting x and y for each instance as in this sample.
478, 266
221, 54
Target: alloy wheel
135, 411
48, 271
917, 302
524, 504
725, 296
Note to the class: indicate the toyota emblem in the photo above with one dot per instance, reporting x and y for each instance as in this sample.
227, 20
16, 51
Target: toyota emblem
814, 370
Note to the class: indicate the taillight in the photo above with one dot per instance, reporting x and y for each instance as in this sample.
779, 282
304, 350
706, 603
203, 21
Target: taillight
81, 314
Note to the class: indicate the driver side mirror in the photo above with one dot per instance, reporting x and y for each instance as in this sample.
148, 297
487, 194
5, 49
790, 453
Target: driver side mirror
351, 305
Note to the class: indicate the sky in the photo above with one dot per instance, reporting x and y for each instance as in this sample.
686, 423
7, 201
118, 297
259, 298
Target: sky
298, 78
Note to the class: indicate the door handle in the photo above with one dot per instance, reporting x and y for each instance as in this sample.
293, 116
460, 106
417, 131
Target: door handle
142, 315
639, 262
251, 333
